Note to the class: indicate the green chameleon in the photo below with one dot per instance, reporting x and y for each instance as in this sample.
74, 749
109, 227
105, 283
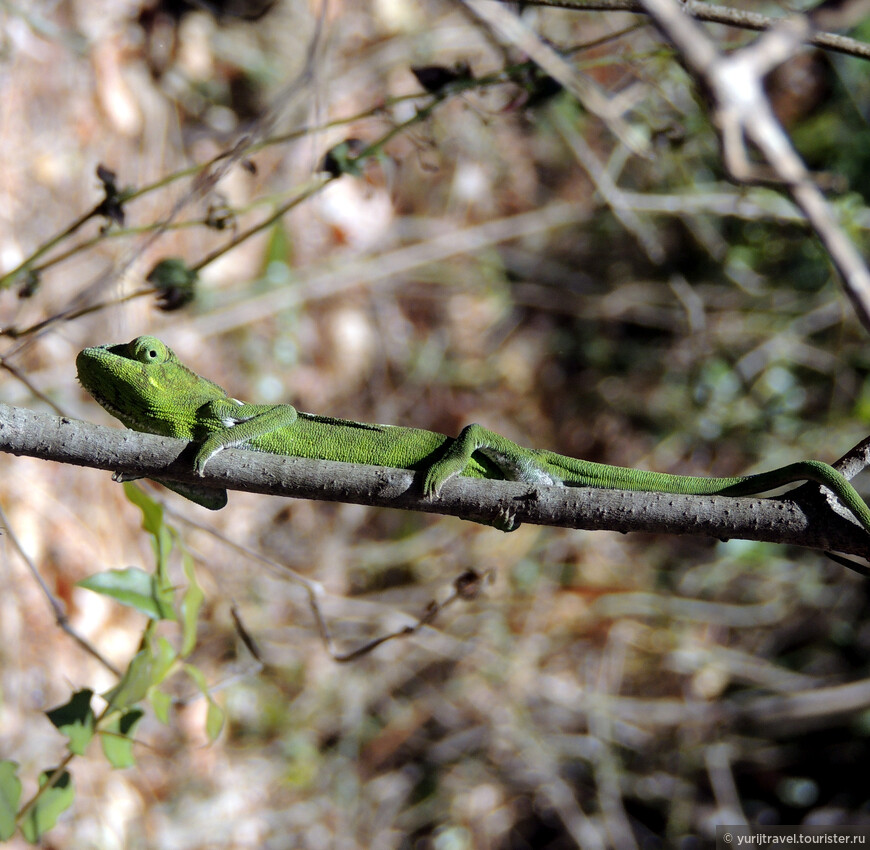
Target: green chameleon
148, 388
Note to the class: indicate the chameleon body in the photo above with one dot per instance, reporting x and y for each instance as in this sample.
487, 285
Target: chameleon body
148, 388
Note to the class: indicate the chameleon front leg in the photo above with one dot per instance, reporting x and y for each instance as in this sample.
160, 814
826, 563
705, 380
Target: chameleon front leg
515, 462
240, 423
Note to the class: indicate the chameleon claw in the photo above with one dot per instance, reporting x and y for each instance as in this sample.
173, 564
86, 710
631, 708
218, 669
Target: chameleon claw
439, 474
506, 520
433, 482
202, 458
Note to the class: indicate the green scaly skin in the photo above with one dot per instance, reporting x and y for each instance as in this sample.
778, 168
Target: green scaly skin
144, 384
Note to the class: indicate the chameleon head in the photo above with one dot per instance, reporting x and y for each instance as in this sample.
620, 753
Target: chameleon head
143, 384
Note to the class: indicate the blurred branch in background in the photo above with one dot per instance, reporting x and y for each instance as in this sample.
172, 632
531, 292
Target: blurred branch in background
743, 113
730, 16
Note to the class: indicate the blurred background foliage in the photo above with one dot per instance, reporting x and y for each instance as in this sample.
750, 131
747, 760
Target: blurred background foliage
604, 690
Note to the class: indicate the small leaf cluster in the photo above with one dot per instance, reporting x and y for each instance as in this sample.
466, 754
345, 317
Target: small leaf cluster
153, 595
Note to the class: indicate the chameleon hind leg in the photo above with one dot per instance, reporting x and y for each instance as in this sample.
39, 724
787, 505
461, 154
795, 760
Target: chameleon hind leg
514, 462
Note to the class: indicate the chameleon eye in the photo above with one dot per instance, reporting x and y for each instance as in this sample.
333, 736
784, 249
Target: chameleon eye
148, 349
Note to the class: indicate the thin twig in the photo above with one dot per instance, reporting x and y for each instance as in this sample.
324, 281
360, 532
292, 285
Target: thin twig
466, 586
513, 29
607, 188
60, 616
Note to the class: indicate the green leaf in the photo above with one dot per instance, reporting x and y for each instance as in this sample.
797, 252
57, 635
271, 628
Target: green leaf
277, 248
116, 737
164, 658
10, 794
134, 684
149, 667
136, 589
50, 804
214, 718
191, 602
152, 512
198, 678
76, 720
161, 703
152, 522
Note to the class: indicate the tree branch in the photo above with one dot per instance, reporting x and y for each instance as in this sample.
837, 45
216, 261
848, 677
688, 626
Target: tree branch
808, 522
709, 13
743, 113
